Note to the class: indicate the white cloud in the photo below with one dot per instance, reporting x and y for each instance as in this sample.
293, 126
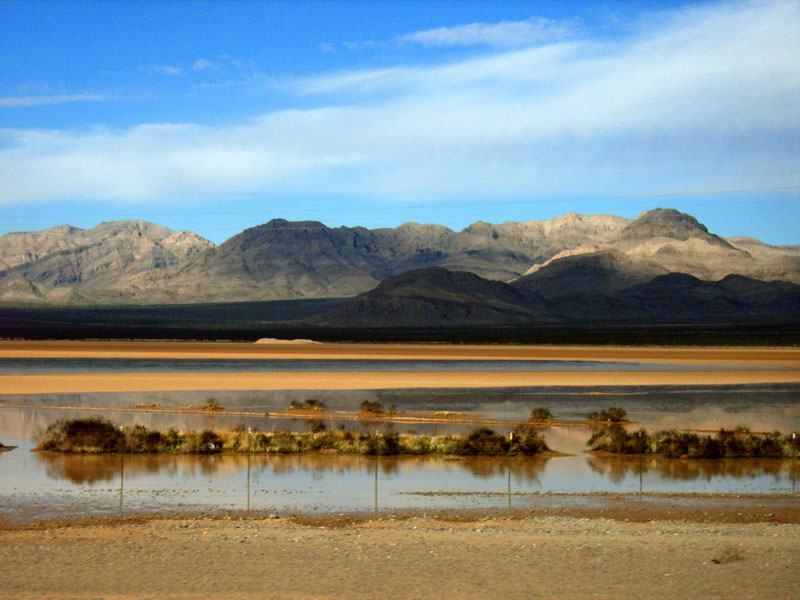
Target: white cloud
504, 33
23, 101
167, 70
202, 64
703, 98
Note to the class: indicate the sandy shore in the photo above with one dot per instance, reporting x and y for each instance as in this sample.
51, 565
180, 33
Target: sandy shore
756, 356
361, 380
776, 365
403, 557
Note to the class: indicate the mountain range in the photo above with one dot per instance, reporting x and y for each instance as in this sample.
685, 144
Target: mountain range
661, 264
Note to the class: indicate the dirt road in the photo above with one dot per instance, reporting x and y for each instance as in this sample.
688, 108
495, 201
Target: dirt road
412, 557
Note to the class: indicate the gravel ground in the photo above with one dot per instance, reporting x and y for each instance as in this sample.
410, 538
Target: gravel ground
444, 556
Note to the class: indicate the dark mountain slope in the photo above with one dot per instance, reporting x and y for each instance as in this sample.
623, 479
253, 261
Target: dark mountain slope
434, 297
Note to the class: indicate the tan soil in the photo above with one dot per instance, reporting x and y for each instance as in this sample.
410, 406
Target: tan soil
784, 363
756, 356
360, 380
449, 556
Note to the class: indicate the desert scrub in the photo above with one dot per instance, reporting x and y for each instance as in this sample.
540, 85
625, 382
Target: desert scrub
612, 414
96, 435
213, 404
739, 443
93, 435
370, 407
485, 442
540, 413
307, 404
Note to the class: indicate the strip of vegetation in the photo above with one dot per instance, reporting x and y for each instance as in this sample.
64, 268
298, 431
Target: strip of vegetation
737, 443
307, 404
98, 435
612, 414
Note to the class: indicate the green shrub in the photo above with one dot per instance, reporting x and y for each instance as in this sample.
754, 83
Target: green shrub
368, 406
680, 444
484, 442
527, 441
212, 404
612, 414
92, 435
615, 438
540, 413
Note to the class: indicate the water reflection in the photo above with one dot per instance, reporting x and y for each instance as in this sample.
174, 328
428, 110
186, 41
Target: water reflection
618, 468
92, 469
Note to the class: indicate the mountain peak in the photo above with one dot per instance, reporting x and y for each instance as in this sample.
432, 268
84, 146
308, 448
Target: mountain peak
668, 223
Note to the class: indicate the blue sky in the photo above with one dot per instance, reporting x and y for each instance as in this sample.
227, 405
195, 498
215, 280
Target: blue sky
217, 116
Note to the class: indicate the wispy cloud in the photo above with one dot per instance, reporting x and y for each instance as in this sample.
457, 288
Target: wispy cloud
24, 101
167, 70
504, 33
203, 64
701, 98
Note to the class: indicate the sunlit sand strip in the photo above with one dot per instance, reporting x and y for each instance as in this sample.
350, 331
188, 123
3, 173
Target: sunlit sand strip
369, 380
760, 357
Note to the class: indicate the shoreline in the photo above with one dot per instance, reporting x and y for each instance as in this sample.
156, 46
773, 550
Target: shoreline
787, 357
573, 553
76, 383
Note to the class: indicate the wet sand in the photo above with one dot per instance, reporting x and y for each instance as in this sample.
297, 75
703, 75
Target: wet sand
370, 380
739, 356
444, 556
776, 365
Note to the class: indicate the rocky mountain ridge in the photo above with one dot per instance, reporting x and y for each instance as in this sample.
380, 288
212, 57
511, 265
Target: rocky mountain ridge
133, 262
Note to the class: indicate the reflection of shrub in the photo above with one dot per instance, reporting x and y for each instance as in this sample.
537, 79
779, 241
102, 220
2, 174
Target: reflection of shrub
540, 413
612, 414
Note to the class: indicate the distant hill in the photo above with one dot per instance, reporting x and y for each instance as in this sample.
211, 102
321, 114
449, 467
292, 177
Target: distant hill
437, 297
133, 262
434, 297
67, 265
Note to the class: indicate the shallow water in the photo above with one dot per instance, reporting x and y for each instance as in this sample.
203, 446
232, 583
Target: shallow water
42, 485
15, 366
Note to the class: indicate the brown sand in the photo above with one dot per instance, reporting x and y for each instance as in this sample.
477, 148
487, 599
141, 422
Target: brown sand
534, 556
360, 380
777, 365
757, 356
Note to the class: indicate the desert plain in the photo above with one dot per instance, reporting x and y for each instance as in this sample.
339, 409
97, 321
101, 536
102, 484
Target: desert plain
619, 547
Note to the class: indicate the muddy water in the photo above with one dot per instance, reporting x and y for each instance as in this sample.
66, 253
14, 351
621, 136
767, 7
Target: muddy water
34, 485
